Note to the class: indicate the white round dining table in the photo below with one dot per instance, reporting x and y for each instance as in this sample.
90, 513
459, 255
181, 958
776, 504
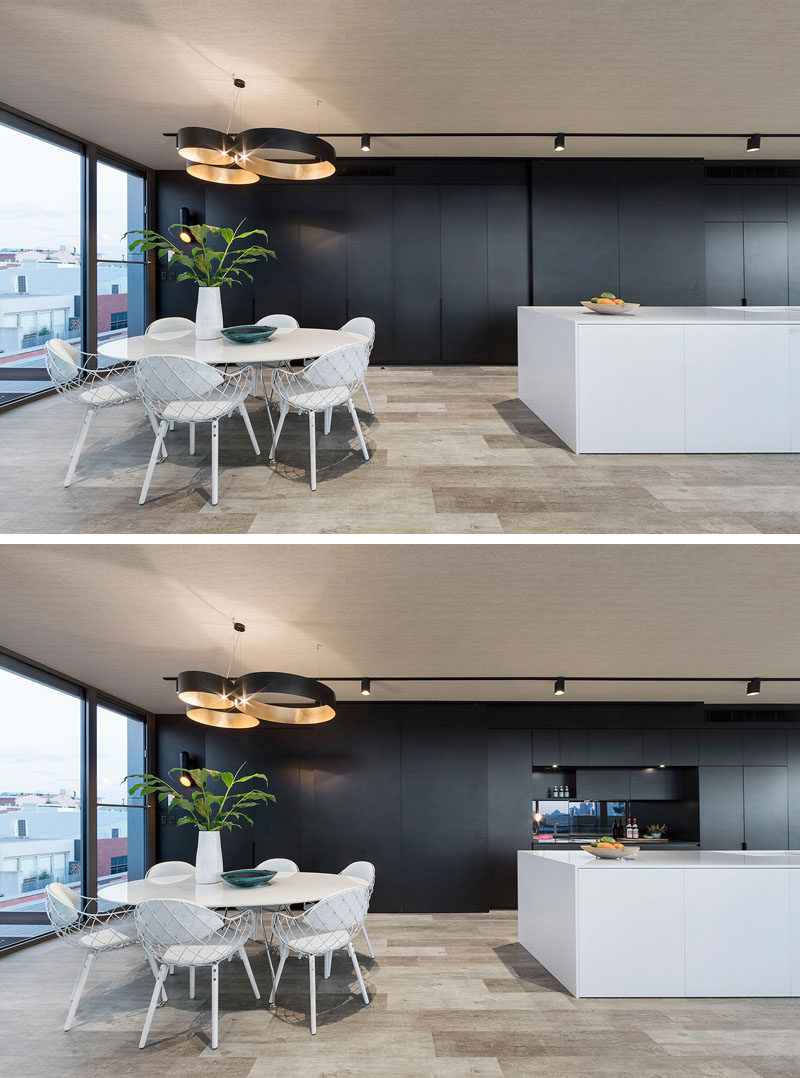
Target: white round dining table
284, 346
284, 889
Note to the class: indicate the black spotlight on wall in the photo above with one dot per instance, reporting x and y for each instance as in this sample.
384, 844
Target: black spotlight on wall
366, 686
753, 143
754, 686
366, 143
185, 235
184, 763
559, 687
559, 144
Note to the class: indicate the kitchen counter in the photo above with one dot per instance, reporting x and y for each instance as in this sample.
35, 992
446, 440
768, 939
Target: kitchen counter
664, 379
705, 922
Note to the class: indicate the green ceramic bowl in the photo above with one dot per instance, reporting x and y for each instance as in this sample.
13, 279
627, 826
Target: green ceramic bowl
248, 334
248, 877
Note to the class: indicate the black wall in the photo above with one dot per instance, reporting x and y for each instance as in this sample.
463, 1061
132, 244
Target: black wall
438, 796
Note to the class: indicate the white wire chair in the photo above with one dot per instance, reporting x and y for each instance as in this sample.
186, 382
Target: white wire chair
90, 389
169, 868
280, 321
272, 864
328, 926
81, 923
182, 390
357, 870
329, 381
177, 933
364, 327
168, 329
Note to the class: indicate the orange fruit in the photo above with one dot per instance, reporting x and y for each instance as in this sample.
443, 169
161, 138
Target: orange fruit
619, 302
605, 301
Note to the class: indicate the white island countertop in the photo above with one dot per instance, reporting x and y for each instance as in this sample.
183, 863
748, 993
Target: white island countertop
678, 316
681, 923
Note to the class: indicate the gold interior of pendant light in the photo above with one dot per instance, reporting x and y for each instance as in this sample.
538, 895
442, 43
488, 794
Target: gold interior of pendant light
214, 174
292, 716
289, 170
225, 720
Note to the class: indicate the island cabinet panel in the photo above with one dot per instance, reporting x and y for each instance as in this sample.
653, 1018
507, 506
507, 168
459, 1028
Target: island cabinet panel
615, 748
766, 818
737, 389
736, 932
509, 816
721, 808
630, 389
606, 784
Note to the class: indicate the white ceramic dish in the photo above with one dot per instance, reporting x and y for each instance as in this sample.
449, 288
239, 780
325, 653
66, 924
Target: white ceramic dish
609, 308
609, 853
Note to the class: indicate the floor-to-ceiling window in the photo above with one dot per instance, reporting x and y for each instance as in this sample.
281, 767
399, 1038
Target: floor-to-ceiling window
49, 728
121, 277
41, 278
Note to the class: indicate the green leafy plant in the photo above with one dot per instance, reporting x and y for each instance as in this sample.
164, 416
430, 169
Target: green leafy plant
206, 265
206, 810
657, 829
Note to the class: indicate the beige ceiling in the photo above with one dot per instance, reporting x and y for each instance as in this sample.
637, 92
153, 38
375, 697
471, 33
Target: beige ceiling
123, 616
120, 72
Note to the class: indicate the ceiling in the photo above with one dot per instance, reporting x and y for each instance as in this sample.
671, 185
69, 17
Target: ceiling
123, 616
122, 73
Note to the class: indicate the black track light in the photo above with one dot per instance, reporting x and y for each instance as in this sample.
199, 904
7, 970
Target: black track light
185, 235
559, 144
754, 686
184, 763
754, 143
366, 686
559, 688
366, 143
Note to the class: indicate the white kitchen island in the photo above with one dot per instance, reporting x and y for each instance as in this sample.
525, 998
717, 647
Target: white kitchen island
688, 923
664, 379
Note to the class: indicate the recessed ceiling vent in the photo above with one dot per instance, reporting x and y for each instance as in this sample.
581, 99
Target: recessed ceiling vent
751, 715
753, 172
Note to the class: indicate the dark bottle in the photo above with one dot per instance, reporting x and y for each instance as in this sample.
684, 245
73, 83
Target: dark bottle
616, 830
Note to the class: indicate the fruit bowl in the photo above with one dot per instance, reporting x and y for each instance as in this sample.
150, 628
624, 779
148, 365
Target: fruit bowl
248, 334
609, 308
248, 877
610, 852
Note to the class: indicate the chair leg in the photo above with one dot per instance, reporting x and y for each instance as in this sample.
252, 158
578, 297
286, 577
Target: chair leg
369, 399
266, 948
172, 424
267, 402
276, 982
77, 992
357, 425
326, 970
151, 1010
191, 439
312, 991
249, 971
369, 945
328, 420
154, 971
154, 425
249, 425
215, 462
162, 430
357, 968
278, 429
77, 447
191, 982
214, 1006
312, 447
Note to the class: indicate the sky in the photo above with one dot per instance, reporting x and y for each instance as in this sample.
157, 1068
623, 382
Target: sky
40, 197
40, 741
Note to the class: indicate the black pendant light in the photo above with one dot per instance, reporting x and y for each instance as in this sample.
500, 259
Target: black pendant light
277, 152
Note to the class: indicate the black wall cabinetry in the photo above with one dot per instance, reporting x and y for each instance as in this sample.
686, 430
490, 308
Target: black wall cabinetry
656, 784
721, 808
573, 748
609, 784
508, 766
609, 748
683, 748
766, 820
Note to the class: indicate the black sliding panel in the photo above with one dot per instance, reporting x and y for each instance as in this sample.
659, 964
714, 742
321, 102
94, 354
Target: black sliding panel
323, 260
724, 263
766, 263
509, 818
661, 232
721, 808
417, 251
356, 812
575, 231
444, 792
793, 225
175, 190
766, 820
175, 734
370, 263
276, 286
508, 256
465, 303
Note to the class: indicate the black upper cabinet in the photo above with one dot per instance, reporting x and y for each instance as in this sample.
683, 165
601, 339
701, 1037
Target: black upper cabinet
656, 784
764, 746
370, 263
720, 746
656, 747
609, 748
546, 747
573, 748
661, 232
575, 230
465, 302
723, 201
683, 748
417, 298
608, 784
764, 202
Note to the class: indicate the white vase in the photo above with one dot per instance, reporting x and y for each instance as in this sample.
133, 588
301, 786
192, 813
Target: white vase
208, 864
208, 320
